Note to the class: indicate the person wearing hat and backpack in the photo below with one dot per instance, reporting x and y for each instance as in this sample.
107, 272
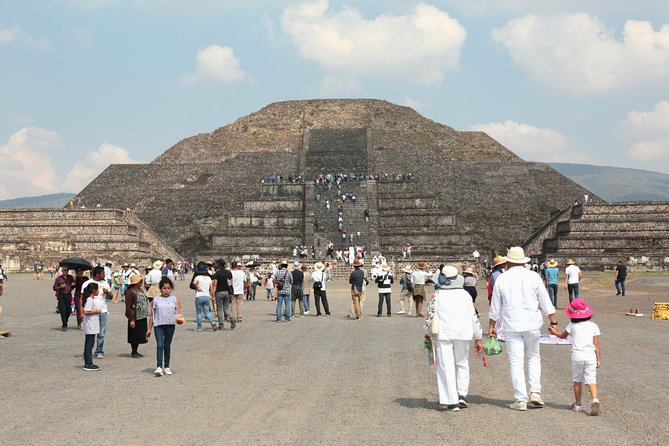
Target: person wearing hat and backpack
456, 326
384, 281
406, 289
283, 282
318, 280
517, 296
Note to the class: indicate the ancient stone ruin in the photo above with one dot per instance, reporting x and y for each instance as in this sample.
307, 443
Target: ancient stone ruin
49, 235
207, 196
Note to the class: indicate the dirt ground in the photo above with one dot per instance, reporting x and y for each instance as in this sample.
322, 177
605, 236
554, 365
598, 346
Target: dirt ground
318, 380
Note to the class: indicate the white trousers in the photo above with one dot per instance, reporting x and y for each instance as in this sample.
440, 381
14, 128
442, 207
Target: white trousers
524, 346
452, 363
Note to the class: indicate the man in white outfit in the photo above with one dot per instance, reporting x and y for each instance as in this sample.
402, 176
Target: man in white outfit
457, 327
517, 296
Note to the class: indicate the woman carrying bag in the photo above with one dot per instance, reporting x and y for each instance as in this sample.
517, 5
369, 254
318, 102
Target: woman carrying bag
451, 323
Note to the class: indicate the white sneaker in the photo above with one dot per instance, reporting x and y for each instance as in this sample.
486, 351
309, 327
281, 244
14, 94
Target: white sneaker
518, 405
535, 398
167, 371
158, 372
409, 313
401, 312
306, 312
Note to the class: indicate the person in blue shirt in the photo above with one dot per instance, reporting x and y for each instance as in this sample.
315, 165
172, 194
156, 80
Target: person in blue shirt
552, 271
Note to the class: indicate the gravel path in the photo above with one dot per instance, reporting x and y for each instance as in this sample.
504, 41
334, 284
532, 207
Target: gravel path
317, 380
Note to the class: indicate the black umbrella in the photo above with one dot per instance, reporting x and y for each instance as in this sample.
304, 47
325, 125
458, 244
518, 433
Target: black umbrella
76, 262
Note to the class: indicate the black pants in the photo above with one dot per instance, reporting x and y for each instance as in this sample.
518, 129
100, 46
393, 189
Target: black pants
65, 307
321, 295
385, 296
88, 349
472, 292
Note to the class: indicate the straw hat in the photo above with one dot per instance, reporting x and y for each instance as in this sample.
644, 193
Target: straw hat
356, 263
125, 265
385, 267
132, 265
469, 270
318, 266
135, 279
449, 271
407, 269
578, 309
498, 260
552, 263
304, 267
283, 262
570, 262
157, 264
516, 255
421, 265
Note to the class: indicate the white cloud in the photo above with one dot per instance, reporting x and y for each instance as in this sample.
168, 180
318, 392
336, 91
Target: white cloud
27, 167
417, 47
93, 163
651, 131
18, 35
533, 143
215, 64
579, 53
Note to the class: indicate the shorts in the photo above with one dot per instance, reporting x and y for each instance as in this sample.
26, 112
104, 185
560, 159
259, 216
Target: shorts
584, 372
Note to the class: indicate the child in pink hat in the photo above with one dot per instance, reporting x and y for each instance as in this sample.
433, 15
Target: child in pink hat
585, 354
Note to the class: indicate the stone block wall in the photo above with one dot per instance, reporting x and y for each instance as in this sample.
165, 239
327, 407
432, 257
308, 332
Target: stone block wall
48, 235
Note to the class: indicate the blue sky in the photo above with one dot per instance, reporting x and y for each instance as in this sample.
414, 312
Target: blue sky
86, 83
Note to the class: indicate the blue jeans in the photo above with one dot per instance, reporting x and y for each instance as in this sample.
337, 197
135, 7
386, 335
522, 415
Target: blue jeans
552, 293
620, 286
283, 298
101, 335
164, 335
306, 302
88, 349
202, 304
573, 290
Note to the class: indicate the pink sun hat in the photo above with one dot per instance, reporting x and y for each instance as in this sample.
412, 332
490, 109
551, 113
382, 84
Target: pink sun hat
578, 309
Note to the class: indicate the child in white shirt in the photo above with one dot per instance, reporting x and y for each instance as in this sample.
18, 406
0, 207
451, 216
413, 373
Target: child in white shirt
92, 310
585, 352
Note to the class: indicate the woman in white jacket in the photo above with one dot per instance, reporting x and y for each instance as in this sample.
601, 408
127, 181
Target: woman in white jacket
456, 326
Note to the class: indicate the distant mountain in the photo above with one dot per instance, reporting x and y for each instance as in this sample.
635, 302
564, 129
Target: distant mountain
43, 201
616, 183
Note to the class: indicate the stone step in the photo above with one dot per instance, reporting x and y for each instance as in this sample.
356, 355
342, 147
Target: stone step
659, 207
612, 227
49, 229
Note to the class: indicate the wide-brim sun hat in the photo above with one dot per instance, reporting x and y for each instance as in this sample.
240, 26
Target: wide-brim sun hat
570, 262
297, 265
449, 278
385, 267
356, 262
318, 266
421, 265
449, 271
125, 265
498, 260
552, 263
135, 279
516, 255
578, 309
132, 265
469, 270
157, 264
283, 262
407, 269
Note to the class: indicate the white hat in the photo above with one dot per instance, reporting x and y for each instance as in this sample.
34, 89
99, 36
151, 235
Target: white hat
449, 271
516, 255
158, 264
385, 267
